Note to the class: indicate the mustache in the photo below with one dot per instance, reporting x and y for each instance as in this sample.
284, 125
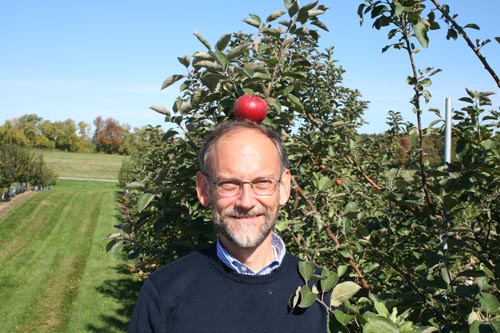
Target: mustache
238, 213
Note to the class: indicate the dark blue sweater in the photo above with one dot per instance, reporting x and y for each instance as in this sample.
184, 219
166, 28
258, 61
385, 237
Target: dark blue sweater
200, 294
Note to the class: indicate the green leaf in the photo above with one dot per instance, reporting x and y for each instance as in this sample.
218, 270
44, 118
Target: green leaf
238, 51
495, 323
381, 309
185, 60
221, 58
202, 40
472, 26
171, 80
294, 299
497, 39
126, 227
306, 270
425, 329
273, 16
324, 183
342, 317
314, 12
204, 56
309, 6
329, 280
144, 201
295, 102
281, 225
253, 22
420, 30
115, 247
378, 324
489, 303
445, 275
293, 7
207, 64
135, 184
320, 25
341, 270
307, 297
452, 34
110, 244
270, 32
161, 109
222, 42
342, 292
426, 82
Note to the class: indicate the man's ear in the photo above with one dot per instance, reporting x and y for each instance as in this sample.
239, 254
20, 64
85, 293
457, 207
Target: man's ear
286, 178
202, 189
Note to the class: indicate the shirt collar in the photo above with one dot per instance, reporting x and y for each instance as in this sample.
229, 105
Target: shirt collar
279, 250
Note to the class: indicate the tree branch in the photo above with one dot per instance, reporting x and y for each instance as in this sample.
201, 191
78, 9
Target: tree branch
331, 234
471, 45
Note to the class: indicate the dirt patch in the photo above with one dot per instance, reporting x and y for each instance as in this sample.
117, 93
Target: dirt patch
8, 205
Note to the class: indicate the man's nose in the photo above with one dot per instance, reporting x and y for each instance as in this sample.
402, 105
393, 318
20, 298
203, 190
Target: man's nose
246, 196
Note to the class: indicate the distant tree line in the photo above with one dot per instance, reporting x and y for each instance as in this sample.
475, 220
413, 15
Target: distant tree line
106, 136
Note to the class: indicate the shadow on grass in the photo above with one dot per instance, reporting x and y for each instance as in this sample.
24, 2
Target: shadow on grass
125, 291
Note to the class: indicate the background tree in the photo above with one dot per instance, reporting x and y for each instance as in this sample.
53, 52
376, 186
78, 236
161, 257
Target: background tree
108, 135
12, 133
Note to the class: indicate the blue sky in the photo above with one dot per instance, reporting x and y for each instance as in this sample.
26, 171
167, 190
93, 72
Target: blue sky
83, 59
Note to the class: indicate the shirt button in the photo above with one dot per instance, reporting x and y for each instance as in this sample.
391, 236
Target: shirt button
244, 268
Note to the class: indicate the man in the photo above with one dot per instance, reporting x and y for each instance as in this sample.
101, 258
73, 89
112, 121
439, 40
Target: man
244, 281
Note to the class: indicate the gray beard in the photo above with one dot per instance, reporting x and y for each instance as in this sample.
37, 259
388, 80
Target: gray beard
238, 233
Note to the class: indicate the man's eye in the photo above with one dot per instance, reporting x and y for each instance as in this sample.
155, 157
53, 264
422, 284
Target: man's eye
263, 183
229, 185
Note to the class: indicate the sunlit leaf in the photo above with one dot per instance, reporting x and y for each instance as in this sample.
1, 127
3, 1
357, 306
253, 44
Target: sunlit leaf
238, 51
171, 80
273, 16
222, 42
253, 22
202, 40
161, 109
342, 292
378, 324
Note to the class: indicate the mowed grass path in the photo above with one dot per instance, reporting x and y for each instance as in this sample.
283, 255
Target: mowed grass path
83, 165
55, 275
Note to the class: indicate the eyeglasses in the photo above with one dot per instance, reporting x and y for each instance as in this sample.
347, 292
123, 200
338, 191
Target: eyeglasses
232, 187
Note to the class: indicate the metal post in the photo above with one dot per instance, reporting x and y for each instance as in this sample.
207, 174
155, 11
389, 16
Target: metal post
447, 132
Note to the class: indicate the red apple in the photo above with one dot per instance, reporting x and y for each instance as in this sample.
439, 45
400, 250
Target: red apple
250, 107
338, 182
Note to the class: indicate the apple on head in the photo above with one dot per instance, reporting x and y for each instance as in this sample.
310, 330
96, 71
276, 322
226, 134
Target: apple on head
250, 107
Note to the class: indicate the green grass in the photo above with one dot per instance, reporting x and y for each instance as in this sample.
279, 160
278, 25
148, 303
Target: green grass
55, 275
83, 165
